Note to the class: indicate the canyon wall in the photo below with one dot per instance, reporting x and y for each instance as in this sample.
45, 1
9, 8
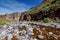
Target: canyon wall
12, 16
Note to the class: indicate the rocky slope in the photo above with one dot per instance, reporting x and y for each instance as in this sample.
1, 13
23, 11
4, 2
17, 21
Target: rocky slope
47, 9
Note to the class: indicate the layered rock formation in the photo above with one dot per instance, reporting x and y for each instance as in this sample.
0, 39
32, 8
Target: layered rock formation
12, 16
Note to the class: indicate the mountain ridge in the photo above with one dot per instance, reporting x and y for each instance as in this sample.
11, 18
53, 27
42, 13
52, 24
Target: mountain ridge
47, 9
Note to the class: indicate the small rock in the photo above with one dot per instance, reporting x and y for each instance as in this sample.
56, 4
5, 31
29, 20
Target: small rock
50, 33
40, 36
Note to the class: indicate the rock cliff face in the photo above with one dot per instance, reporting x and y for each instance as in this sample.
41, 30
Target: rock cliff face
48, 8
53, 14
3, 16
12, 16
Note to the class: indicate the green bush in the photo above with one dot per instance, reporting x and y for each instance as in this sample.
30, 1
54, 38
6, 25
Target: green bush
47, 20
58, 21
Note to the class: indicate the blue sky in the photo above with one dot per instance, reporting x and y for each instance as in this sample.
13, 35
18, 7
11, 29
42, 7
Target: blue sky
10, 6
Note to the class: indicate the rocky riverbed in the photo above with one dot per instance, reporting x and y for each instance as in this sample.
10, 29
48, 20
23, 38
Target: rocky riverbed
30, 31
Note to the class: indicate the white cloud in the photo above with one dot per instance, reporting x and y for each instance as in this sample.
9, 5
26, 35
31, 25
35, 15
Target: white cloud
4, 10
14, 6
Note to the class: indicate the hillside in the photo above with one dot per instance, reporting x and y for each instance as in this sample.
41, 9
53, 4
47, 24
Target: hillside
45, 6
47, 10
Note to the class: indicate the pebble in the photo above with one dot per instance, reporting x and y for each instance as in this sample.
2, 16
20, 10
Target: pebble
40, 36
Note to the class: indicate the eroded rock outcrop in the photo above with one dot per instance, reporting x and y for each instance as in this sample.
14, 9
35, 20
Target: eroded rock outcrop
12, 16
48, 8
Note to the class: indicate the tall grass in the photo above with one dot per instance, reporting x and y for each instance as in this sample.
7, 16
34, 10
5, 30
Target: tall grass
2, 21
